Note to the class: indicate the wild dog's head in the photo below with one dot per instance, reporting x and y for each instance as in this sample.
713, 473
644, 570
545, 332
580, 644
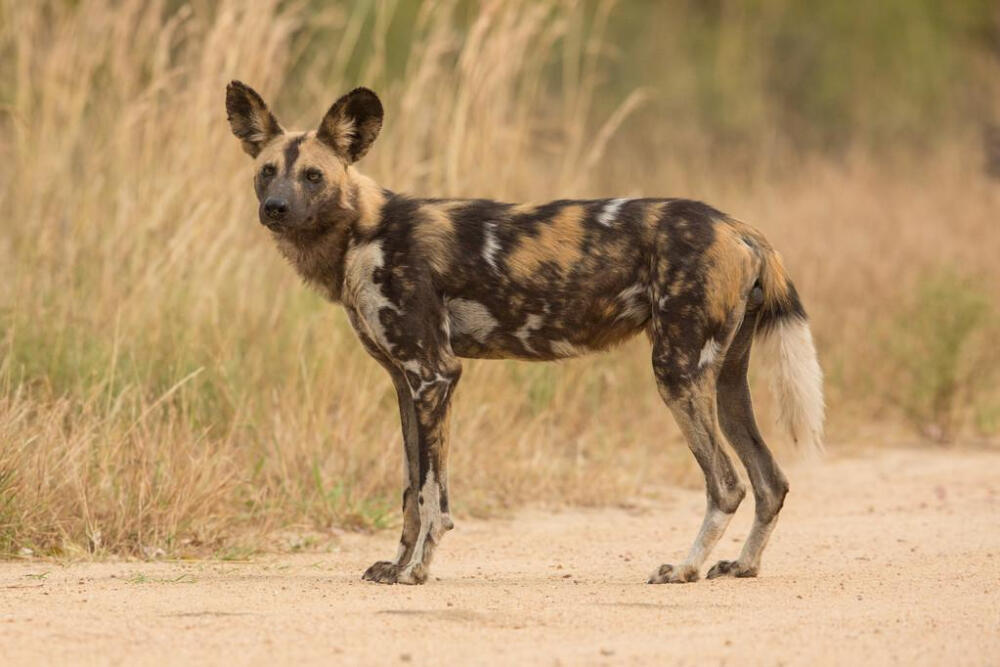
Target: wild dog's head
301, 178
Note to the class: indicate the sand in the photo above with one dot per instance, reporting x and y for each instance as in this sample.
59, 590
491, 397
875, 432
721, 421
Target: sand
893, 557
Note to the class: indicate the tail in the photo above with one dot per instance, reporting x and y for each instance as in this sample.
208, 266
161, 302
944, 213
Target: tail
787, 345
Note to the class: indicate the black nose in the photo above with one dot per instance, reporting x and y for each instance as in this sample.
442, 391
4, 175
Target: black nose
275, 208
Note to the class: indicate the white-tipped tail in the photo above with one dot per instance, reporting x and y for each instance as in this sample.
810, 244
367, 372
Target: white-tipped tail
796, 379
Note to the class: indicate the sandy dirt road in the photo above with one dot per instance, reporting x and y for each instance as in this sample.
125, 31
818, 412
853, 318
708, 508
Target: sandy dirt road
890, 558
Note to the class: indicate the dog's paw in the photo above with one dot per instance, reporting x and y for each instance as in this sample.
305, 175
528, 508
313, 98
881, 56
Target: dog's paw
415, 574
674, 574
731, 568
382, 572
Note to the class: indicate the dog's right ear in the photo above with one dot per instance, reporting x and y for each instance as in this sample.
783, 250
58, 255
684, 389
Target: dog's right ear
250, 118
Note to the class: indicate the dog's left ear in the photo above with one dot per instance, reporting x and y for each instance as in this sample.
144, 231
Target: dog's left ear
351, 124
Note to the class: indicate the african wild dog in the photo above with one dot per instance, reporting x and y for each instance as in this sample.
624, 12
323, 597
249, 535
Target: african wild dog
427, 281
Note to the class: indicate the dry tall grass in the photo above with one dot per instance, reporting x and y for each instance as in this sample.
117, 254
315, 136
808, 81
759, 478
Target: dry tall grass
165, 381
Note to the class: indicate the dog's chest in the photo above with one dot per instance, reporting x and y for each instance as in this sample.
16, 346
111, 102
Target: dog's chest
363, 297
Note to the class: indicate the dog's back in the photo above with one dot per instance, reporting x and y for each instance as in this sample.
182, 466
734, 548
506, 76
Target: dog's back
567, 277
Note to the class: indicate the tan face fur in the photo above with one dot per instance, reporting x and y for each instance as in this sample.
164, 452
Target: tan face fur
308, 176
301, 178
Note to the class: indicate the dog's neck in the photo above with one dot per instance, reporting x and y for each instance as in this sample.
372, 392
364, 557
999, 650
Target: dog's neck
318, 255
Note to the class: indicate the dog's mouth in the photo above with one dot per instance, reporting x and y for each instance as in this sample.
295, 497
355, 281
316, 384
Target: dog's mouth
275, 226
290, 228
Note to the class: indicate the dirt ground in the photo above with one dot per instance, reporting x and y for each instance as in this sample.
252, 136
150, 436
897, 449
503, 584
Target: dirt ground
888, 558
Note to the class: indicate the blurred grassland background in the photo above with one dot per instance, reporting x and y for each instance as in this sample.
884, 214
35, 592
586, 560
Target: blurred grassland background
167, 383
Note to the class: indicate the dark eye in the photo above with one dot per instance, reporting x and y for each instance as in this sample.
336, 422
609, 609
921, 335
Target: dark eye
267, 171
314, 175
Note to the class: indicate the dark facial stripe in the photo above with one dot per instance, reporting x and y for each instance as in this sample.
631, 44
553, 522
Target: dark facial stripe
292, 153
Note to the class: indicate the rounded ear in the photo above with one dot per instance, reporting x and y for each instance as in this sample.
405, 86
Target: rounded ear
351, 124
249, 117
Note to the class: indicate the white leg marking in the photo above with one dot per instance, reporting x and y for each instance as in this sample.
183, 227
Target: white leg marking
711, 530
709, 353
430, 520
753, 548
417, 369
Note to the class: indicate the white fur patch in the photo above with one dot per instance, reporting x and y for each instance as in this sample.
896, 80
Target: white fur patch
610, 212
490, 245
430, 520
634, 307
709, 353
471, 318
362, 292
532, 323
417, 369
712, 528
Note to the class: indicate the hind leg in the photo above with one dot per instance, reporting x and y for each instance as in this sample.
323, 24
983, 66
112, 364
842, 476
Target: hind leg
693, 405
738, 423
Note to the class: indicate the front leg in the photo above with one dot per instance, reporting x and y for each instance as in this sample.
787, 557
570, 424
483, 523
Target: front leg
424, 389
383, 571
431, 385
401, 320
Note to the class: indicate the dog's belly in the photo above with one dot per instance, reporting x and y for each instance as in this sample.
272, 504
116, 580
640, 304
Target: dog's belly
547, 330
